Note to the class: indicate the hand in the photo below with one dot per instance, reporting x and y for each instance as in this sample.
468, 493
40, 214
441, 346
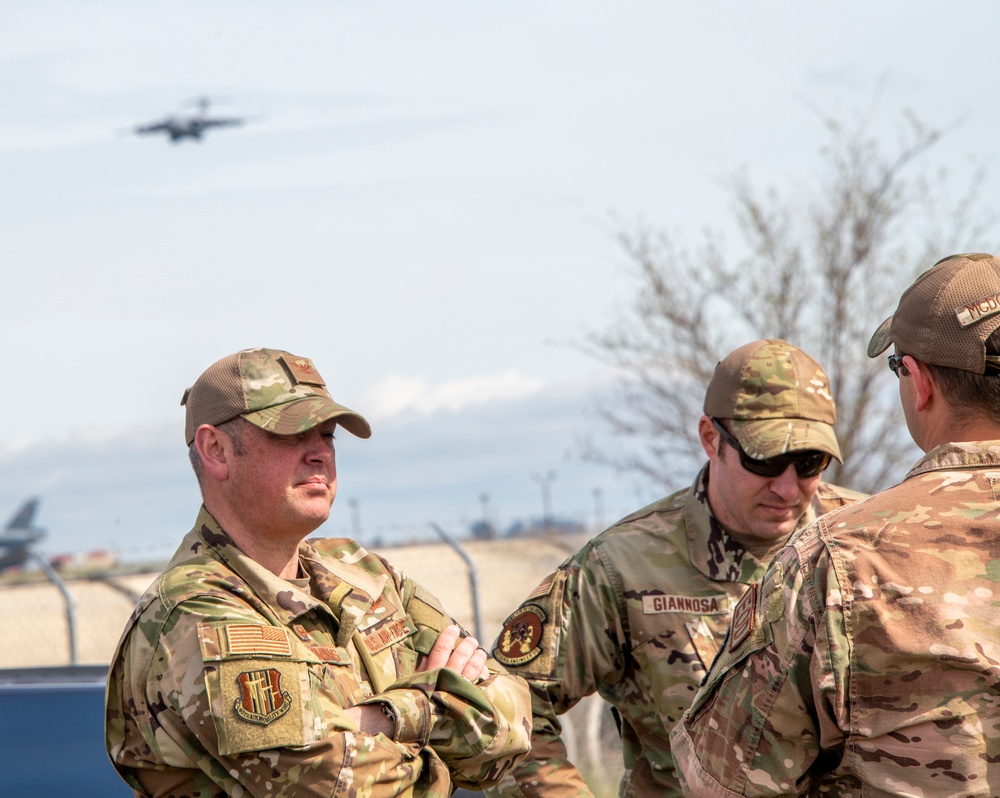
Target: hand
467, 658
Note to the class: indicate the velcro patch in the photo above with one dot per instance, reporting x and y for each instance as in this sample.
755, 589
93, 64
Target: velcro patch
260, 705
543, 589
247, 638
744, 618
978, 310
520, 640
385, 634
303, 371
329, 654
701, 605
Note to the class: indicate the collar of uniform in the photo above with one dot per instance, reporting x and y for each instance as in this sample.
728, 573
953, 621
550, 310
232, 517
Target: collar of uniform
282, 597
348, 589
713, 551
963, 454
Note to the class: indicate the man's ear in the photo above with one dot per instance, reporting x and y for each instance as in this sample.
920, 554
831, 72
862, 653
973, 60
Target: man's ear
709, 436
923, 383
215, 449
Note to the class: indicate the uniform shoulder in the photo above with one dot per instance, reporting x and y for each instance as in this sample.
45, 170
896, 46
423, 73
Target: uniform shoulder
655, 523
667, 505
832, 496
197, 575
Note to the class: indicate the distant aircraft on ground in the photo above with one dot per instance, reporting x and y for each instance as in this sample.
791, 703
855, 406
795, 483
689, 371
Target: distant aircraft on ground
19, 536
189, 126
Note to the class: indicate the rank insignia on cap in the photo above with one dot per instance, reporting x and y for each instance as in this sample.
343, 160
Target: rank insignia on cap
303, 371
520, 640
261, 700
744, 618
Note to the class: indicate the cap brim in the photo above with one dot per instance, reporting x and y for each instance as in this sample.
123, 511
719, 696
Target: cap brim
301, 415
766, 438
881, 339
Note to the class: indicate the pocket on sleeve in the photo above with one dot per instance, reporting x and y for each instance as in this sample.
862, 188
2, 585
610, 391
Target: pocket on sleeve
258, 686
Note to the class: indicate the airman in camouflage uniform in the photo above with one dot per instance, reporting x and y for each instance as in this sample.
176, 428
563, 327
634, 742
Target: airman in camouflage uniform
866, 662
263, 664
640, 612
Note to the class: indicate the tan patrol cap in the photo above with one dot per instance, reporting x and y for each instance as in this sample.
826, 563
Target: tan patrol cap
945, 317
777, 399
272, 389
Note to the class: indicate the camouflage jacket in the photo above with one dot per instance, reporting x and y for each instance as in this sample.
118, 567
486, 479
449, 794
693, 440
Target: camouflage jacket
867, 660
637, 616
229, 680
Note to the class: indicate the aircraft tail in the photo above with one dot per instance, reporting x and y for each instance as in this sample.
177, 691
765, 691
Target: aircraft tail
24, 516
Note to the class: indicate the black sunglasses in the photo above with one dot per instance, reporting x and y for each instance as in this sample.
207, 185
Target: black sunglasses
807, 464
896, 366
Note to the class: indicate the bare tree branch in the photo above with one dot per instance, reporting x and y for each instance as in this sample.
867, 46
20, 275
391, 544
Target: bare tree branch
820, 268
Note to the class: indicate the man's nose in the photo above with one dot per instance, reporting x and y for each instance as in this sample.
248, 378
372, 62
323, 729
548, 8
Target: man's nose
786, 485
320, 449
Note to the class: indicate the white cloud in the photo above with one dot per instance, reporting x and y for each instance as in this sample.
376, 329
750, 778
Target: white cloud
396, 394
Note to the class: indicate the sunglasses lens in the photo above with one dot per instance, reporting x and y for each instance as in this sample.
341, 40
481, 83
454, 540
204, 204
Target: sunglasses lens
806, 465
811, 465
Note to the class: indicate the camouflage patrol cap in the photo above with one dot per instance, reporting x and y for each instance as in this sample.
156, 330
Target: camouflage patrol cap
945, 317
272, 389
777, 399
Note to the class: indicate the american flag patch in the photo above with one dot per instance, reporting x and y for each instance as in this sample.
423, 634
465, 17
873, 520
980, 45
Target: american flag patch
543, 589
246, 638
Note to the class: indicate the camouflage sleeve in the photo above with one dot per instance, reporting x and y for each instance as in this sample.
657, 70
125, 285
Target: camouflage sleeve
768, 713
566, 639
479, 730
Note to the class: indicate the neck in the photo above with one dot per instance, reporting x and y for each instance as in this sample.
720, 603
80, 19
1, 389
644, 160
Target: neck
279, 555
762, 550
946, 426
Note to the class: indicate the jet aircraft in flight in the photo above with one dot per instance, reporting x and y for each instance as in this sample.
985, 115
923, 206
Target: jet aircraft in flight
189, 126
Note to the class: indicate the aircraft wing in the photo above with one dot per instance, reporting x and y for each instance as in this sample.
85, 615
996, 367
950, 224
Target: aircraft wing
153, 127
222, 121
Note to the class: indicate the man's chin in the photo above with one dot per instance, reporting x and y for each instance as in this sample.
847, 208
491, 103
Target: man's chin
776, 531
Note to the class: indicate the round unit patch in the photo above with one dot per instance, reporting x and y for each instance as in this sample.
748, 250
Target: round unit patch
520, 640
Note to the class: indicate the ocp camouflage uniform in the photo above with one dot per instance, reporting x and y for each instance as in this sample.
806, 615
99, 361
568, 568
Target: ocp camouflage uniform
232, 681
637, 616
867, 661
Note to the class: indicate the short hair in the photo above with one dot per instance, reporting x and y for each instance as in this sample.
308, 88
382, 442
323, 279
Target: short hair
235, 429
971, 396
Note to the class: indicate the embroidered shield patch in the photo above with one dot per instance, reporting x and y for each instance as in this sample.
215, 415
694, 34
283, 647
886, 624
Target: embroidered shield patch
261, 700
520, 640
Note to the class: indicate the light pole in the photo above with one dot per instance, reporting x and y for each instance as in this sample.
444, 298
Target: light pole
355, 518
545, 480
598, 508
488, 534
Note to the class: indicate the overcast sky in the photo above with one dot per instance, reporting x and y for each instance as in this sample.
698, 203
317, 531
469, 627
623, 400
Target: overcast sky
423, 203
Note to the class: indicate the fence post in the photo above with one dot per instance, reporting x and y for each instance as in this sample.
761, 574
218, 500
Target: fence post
470, 566
55, 579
